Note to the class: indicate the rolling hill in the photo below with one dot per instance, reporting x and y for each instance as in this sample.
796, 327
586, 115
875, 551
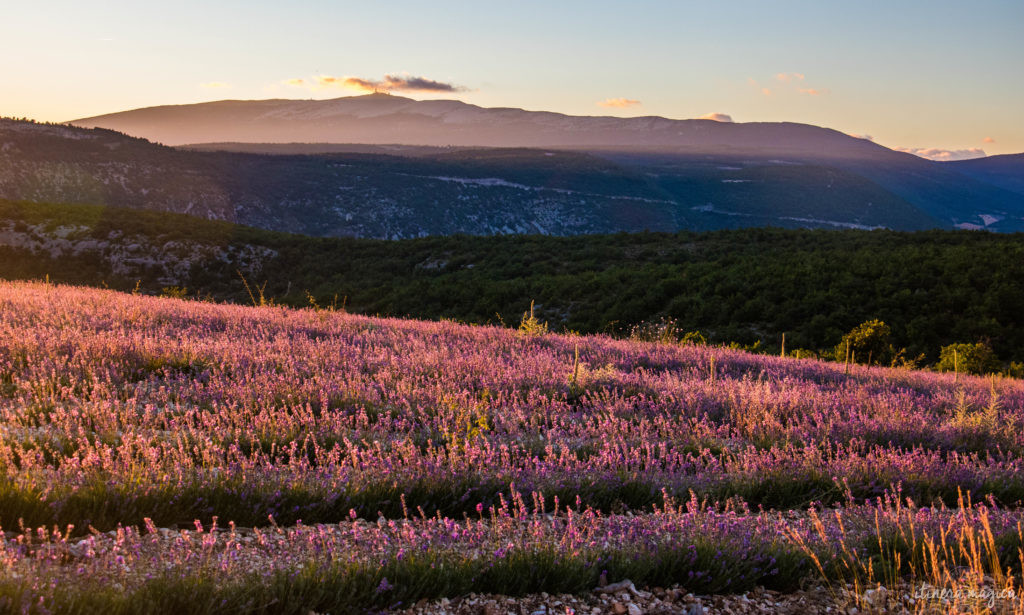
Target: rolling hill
943, 195
1006, 171
395, 192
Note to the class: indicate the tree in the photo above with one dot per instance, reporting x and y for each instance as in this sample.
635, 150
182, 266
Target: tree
868, 343
968, 359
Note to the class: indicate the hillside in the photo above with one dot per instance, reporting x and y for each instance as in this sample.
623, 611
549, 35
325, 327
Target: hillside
944, 196
312, 460
413, 192
1005, 171
359, 195
933, 288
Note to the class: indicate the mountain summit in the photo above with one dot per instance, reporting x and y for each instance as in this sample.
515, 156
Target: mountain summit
385, 119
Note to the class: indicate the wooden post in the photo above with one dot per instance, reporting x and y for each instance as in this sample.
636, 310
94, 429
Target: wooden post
576, 366
956, 366
846, 365
783, 353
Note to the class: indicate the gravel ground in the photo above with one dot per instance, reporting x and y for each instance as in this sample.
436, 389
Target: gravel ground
624, 599
618, 600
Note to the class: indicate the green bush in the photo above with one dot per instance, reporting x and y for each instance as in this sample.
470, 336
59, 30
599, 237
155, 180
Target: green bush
868, 343
174, 292
802, 353
968, 359
531, 326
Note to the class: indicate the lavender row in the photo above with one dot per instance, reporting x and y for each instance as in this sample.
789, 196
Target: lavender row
118, 407
524, 544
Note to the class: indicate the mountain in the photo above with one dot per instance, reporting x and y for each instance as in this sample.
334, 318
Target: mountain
628, 175
359, 195
881, 187
1006, 171
385, 119
471, 191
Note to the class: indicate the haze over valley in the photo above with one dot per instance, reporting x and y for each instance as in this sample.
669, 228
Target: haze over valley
385, 166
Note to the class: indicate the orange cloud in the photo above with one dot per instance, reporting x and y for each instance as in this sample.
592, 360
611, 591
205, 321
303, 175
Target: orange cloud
295, 82
353, 83
786, 83
988, 140
717, 117
938, 153
619, 103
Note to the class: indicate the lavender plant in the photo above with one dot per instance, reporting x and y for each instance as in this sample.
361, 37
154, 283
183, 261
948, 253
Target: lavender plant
494, 461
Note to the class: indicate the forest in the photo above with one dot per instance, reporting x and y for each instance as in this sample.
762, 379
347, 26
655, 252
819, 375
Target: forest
747, 287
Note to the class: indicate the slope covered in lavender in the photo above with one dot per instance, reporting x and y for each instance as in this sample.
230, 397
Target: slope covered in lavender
485, 453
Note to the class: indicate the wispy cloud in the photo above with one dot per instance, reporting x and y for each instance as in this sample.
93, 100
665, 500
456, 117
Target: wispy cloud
619, 103
789, 77
938, 153
865, 137
390, 83
786, 83
988, 140
717, 117
213, 85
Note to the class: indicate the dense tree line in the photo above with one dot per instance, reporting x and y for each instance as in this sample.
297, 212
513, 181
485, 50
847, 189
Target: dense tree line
931, 288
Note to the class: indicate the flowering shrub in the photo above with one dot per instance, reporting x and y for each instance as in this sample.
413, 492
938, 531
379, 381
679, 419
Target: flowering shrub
125, 411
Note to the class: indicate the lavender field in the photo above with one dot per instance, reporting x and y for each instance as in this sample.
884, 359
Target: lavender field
159, 455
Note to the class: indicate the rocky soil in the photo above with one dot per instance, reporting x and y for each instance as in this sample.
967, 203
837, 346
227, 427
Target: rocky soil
620, 601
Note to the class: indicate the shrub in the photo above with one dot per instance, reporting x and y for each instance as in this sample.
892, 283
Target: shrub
531, 326
696, 338
802, 353
968, 359
666, 331
174, 292
868, 343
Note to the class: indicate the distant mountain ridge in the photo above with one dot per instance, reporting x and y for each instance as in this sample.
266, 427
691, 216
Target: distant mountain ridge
384, 119
944, 196
637, 174
1005, 171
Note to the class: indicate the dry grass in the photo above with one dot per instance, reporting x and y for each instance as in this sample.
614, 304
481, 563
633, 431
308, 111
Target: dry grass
962, 567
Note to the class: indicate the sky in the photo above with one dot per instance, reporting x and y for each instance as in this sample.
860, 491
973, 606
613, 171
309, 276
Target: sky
944, 79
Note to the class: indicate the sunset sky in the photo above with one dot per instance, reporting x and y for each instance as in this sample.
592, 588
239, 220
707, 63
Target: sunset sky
939, 75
